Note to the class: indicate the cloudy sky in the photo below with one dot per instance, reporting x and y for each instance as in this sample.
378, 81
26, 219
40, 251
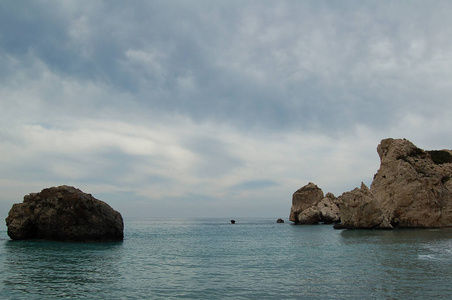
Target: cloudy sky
215, 108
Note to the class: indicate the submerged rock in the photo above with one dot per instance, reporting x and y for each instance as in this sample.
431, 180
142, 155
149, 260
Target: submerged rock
64, 213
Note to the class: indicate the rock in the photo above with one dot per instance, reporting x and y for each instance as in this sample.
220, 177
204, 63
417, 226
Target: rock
309, 206
232, 221
360, 209
412, 189
329, 209
280, 220
303, 199
310, 215
64, 213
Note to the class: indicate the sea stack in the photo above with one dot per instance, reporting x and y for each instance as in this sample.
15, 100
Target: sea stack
310, 206
64, 213
412, 189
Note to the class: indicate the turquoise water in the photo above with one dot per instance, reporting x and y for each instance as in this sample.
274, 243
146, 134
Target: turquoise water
252, 259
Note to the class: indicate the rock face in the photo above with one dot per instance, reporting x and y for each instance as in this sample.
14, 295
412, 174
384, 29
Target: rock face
328, 209
64, 213
412, 189
360, 209
310, 206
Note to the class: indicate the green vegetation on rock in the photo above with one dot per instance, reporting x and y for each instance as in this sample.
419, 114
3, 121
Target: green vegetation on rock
440, 156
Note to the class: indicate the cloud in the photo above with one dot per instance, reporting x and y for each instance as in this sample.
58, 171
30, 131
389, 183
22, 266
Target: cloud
225, 104
254, 184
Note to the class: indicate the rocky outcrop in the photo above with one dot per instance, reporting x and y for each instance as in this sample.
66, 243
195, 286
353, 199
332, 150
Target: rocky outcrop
328, 209
310, 206
360, 209
303, 202
64, 213
412, 189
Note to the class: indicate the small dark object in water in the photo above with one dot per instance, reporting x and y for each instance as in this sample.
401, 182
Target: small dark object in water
232, 221
280, 220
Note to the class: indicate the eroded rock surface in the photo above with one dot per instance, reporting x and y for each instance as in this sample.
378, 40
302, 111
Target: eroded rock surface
328, 209
412, 189
64, 213
310, 206
360, 209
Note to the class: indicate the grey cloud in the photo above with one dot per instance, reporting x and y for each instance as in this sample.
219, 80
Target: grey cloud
279, 66
214, 157
254, 184
194, 77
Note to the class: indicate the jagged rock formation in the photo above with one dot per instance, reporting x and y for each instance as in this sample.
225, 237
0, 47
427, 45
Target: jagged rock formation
412, 189
360, 209
310, 206
328, 209
64, 213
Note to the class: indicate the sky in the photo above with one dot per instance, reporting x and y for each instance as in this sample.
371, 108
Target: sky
215, 108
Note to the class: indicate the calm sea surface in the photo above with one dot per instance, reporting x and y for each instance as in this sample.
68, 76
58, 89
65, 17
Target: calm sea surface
252, 259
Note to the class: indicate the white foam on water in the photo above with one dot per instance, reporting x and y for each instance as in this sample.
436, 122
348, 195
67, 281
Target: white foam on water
426, 256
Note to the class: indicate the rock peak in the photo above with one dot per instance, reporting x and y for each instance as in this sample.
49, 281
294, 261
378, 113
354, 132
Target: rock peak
412, 188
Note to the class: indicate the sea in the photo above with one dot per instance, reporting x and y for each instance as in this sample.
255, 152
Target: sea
214, 259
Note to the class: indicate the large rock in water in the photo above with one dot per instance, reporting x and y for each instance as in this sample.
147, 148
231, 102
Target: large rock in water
360, 209
412, 189
310, 206
64, 213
